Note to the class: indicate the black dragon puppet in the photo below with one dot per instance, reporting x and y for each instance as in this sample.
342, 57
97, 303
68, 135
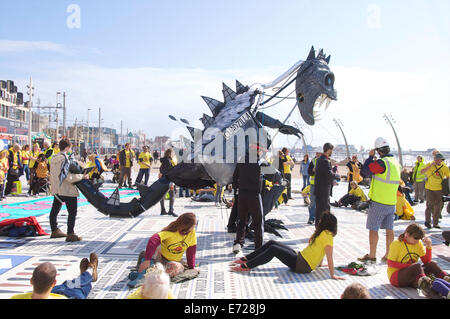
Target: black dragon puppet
234, 125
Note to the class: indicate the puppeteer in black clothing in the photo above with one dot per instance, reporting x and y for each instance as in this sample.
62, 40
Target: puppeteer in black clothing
247, 178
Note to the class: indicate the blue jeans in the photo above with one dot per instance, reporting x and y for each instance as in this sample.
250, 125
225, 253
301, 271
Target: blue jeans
218, 193
312, 206
305, 181
186, 191
26, 169
78, 288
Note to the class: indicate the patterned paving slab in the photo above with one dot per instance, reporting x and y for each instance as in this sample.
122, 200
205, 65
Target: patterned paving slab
119, 241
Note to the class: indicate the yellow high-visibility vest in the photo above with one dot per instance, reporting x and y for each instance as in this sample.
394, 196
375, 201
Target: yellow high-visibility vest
383, 188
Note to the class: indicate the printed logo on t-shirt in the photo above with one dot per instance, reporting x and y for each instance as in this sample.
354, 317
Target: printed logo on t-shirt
177, 248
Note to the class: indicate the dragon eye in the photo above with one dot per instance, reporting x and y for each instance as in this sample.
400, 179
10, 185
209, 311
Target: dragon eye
300, 98
329, 79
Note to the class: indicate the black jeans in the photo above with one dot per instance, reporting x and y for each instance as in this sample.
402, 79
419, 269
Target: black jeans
233, 219
349, 199
10, 183
288, 177
250, 205
71, 204
143, 172
271, 249
322, 205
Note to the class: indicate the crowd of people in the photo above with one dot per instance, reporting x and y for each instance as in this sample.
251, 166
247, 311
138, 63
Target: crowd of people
163, 257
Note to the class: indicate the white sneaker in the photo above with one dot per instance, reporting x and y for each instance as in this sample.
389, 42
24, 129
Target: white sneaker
236, 248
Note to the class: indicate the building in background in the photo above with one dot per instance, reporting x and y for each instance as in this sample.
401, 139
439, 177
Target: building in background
14, 115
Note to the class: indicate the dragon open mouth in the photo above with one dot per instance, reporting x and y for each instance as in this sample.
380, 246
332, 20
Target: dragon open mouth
321, 106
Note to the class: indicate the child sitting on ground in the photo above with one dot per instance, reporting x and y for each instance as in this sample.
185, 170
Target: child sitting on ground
404, 209
356, 291
156, 285
305, 194
403, 267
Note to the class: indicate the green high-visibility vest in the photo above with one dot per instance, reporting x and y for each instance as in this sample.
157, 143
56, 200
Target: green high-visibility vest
45, 153
417, 176
312, 178
383, 188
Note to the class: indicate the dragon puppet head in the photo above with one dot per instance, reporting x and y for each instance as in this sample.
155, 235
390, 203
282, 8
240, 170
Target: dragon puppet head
314, 86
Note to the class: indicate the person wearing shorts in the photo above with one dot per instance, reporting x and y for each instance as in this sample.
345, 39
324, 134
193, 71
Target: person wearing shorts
385, 173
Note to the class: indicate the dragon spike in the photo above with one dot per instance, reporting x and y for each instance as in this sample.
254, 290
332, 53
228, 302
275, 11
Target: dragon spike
312, 54
191, 130
321, 55
213, 105
240, 88
228, 93
206, 120
328, 59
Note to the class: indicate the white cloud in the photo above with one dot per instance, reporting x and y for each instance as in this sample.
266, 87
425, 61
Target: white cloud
23, 46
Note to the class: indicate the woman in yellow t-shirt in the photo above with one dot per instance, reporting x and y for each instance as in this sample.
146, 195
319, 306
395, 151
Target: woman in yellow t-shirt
174, 240
320, 244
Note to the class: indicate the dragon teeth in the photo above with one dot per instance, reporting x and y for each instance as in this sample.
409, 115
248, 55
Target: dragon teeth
327, 104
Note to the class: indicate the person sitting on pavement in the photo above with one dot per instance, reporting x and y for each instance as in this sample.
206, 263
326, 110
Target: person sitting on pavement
402, 261
355, 197
320, 244
44, 285
95, 175
175, 239
404, 209
356, 291
306, 193
156, 285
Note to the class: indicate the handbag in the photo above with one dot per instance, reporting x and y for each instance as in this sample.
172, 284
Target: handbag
445, 186
445, 183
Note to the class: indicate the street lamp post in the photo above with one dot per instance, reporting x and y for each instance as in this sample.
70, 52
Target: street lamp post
56, 110
340, 125
64, 115
303, 139
87, 137
30, 116
389, 119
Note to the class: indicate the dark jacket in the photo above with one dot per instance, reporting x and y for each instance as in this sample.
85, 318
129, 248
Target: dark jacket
123, 158
247, 177
324, 177
19, 161
166, 165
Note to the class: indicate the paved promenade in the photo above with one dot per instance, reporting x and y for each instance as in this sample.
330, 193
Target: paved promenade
119, 241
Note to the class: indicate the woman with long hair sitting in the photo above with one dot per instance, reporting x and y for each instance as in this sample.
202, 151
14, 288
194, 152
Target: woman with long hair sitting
320, 244
175, 239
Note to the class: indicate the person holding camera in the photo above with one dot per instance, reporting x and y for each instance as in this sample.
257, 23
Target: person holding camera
385, 173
